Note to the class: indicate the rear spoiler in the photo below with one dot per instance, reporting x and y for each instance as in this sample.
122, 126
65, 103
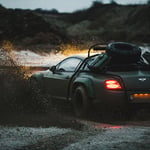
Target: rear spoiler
97, 47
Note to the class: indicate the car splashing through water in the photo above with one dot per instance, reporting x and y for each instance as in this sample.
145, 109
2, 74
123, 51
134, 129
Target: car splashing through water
29, 58
32, 62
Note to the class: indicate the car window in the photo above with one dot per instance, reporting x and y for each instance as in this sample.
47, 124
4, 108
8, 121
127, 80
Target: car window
89, 62
69, 64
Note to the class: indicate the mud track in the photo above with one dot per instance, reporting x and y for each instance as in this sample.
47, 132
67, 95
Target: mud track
59, 129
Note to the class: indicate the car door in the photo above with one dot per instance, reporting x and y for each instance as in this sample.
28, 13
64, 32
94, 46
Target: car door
59, 80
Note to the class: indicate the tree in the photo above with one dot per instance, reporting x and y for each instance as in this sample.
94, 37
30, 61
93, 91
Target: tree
96, 4
99, 1
54, 11
2, 7
148, 2
113, 2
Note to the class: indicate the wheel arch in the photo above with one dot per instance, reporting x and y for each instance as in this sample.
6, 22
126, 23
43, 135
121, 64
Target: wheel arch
86, 83
37, 77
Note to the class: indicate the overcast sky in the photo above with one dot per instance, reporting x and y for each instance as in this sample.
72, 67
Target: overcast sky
60, 5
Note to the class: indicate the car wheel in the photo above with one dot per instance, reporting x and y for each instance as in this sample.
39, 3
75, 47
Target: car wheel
81, 102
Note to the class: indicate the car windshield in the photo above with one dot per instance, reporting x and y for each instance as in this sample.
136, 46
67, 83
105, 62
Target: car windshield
68, 65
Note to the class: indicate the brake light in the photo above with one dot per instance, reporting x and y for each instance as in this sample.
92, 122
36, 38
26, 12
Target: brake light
112, 85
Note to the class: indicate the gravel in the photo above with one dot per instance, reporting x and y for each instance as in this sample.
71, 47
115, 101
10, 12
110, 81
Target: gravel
12, 138
131, 138
93, 136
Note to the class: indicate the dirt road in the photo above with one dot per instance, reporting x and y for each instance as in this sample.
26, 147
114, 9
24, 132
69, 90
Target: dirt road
108, 138
64, 132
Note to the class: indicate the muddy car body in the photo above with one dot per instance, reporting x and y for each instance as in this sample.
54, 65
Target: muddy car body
113, 79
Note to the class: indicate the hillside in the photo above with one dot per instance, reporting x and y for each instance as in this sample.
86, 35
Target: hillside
114, 22
100, 22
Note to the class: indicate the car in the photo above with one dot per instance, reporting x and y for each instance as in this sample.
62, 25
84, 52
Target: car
112, 76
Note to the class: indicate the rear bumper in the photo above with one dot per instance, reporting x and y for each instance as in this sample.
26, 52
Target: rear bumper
111, 100
138, 97
121, 99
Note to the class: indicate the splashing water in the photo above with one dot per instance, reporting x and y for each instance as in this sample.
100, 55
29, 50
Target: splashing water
29, 58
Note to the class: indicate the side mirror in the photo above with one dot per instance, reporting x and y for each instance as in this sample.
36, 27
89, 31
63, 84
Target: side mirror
53, 68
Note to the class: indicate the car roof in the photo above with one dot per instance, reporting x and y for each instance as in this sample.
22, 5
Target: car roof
82, 57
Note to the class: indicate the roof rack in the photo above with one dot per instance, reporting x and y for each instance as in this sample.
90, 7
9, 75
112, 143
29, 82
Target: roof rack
97, 47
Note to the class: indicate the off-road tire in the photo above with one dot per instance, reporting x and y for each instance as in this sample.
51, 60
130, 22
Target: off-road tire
81, 102
124, 52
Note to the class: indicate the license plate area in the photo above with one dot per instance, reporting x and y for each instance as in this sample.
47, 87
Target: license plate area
140, 97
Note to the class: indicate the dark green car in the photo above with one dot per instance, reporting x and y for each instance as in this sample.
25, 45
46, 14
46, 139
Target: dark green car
113, 79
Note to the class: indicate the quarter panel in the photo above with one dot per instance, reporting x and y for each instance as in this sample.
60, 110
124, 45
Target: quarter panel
96, 88
87, 83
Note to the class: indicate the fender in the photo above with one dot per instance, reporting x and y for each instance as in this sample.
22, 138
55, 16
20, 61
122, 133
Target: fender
38, 76
87, 83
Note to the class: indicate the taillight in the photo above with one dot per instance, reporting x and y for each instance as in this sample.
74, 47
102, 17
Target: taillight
112, 85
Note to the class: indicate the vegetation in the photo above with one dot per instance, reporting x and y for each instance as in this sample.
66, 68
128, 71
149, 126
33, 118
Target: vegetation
113, 2
148, 2
49, 28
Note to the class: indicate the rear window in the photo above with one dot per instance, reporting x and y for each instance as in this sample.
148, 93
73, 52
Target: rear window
128, 67
124, 47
